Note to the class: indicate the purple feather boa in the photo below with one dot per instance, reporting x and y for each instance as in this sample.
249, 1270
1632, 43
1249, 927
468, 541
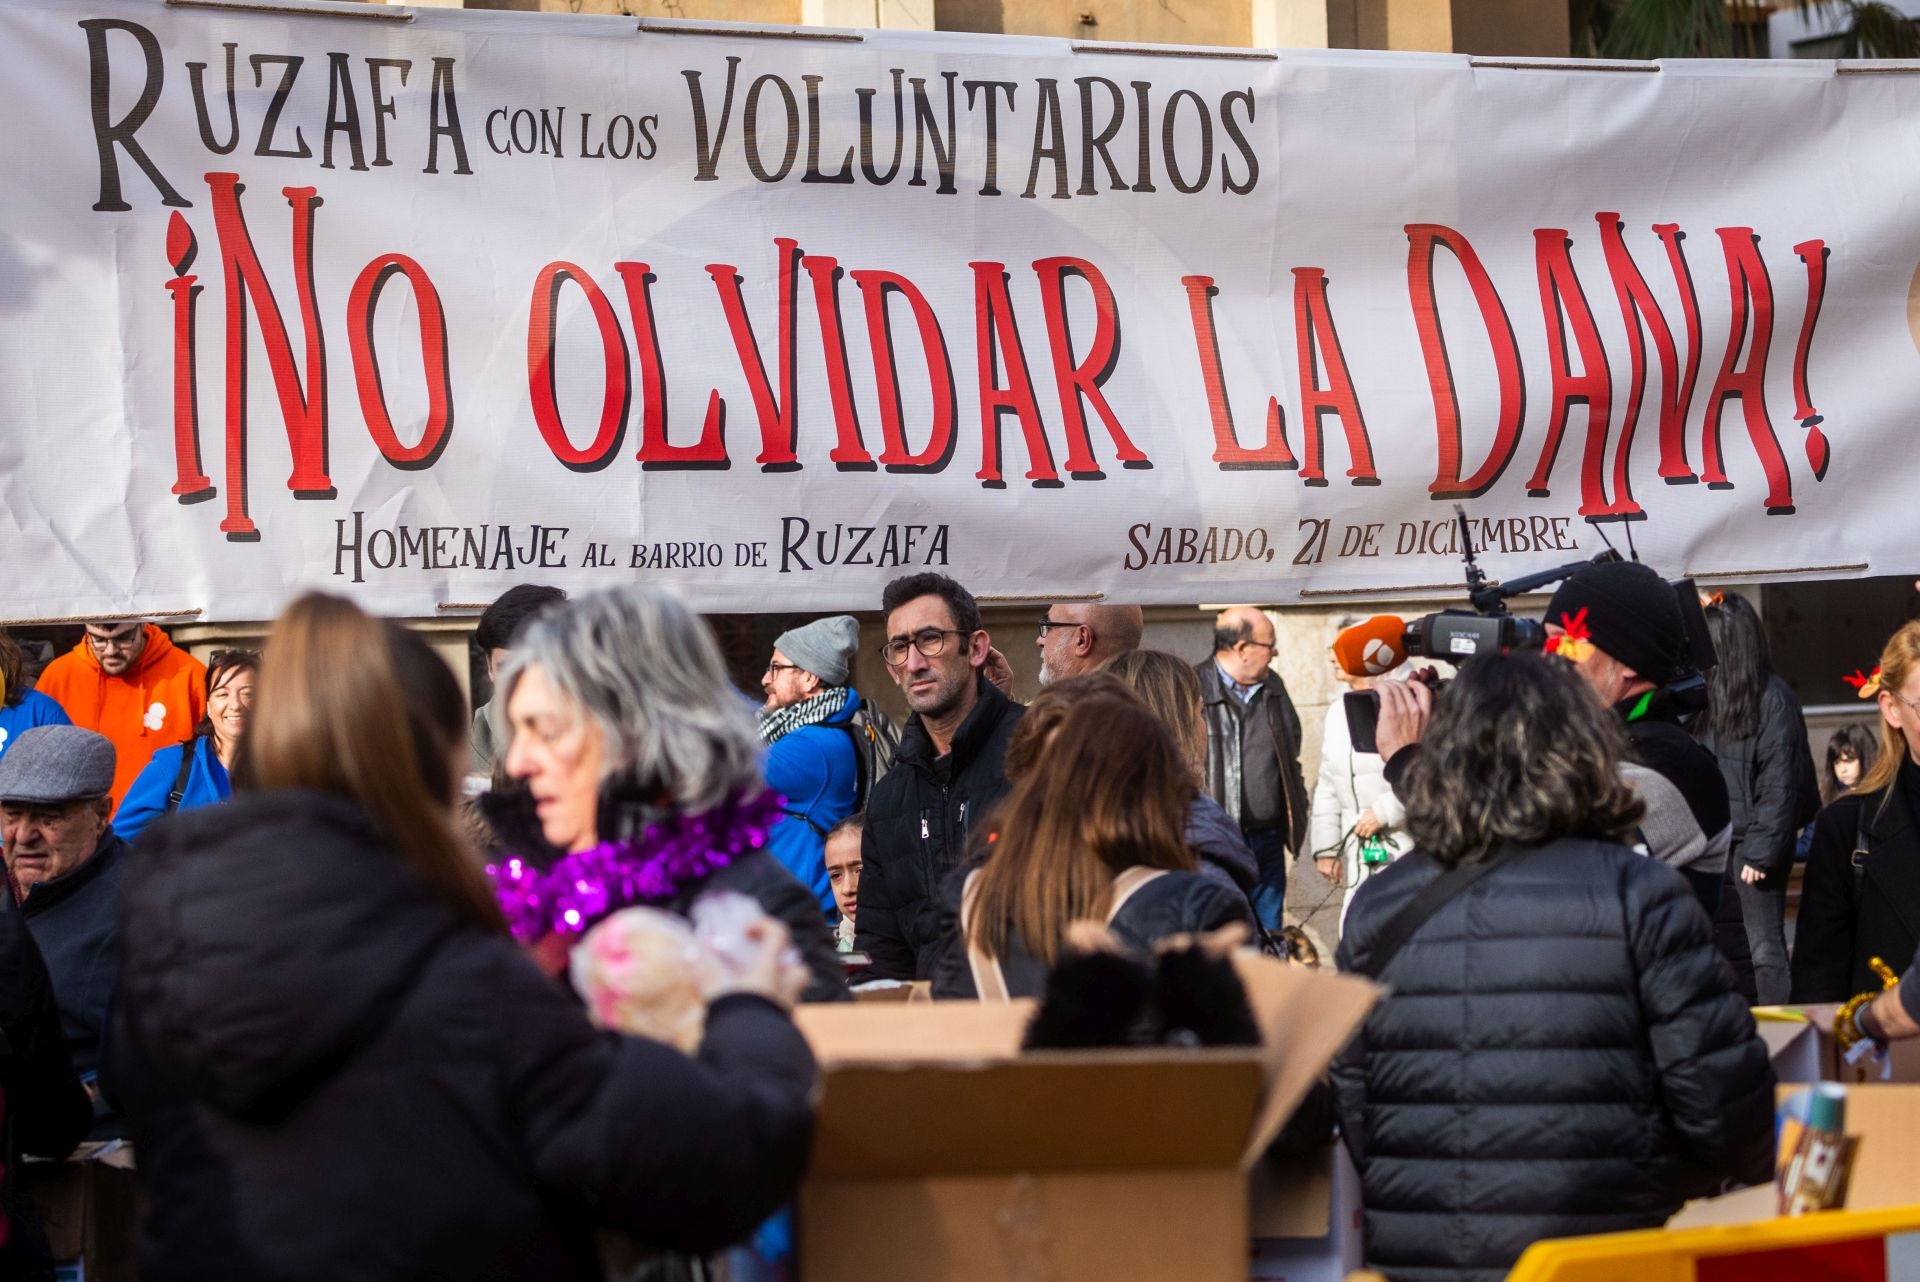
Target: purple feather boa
581, 888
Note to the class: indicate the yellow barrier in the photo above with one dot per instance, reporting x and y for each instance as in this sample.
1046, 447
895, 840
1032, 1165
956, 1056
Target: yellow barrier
1834, 1246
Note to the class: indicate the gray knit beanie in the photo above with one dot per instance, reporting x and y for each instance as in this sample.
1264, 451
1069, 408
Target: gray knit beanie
824, 647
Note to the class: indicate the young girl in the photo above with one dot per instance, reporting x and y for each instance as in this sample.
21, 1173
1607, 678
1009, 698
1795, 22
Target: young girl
1850, 754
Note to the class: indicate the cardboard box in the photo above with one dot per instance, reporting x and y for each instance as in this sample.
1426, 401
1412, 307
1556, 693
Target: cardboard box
1903, 1058
89, 1207
1306, 1220
1886, 1169
944, 1154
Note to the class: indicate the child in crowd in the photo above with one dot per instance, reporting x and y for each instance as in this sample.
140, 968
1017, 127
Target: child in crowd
1850, 754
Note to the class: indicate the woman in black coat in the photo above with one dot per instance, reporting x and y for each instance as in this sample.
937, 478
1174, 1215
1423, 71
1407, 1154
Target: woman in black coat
1561, 1051
1862, 894
1755, 730
337, 1063
636, 771
1094, 829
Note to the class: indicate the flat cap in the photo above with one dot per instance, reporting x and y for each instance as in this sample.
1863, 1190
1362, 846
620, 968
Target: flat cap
57, 764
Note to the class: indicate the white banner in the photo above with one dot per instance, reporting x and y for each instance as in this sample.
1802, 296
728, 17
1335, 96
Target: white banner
416, 305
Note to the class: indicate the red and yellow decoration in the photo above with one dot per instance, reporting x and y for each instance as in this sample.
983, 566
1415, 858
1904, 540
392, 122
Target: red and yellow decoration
1575, 642
1868, 684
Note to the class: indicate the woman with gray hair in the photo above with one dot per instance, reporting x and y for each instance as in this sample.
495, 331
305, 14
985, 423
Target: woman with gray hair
636, 780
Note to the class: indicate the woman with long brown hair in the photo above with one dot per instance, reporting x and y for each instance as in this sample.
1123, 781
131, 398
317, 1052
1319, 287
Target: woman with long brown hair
1094, 830
22, 707
338, 1064
1862, 895
1560, 1050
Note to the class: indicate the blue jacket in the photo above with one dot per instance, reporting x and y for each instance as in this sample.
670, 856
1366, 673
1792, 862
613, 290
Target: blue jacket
34, 710
146, 799
814, 769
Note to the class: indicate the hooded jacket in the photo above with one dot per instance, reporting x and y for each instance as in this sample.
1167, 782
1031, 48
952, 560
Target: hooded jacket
918, 817
330, 1076
1561, 1052
156, 702
814, 768
1772, 788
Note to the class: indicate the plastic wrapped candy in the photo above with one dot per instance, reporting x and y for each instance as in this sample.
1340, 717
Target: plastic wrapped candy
642, 971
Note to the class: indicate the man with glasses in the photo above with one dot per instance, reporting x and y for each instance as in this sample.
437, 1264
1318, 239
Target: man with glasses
1077, 639
127, 681
948, 770
1253, 750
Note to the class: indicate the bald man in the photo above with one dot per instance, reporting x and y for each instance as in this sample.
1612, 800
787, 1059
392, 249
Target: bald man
1253, 750
1077, 639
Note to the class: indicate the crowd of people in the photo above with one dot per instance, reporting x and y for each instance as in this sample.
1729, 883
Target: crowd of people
275, 912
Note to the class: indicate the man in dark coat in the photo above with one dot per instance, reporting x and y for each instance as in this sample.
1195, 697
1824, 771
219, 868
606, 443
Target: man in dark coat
948, 770
1253, 750
1629, 642
64, 856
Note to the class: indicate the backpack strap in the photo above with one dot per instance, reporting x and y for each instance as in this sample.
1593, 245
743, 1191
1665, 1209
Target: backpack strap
989, 981
1129, 883
1433, 896
188, 751
1862, 846
860, 731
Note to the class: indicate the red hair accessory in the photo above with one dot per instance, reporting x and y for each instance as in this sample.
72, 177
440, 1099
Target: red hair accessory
1868, 685
1575, 642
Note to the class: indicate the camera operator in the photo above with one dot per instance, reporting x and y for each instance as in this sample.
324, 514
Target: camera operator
1620, 624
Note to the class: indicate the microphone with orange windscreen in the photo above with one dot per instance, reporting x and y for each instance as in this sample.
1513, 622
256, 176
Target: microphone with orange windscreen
1373, 647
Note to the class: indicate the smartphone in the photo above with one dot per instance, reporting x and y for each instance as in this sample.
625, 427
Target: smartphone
1363, 719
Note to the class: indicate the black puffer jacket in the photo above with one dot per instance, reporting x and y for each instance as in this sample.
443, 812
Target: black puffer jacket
1174, 904
329, 1077
917, 823
1561, 1054
1772, 789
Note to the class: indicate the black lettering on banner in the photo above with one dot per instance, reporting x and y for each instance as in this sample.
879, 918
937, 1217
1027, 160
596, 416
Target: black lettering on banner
110, 134
1314, 550
290, 64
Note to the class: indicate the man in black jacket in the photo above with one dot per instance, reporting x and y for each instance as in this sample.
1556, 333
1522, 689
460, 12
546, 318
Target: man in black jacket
1629, 642
947, 771
68, 863
1253, 750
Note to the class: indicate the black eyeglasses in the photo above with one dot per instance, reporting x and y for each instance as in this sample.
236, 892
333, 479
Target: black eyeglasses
124, 640
931, 642
1046, 623
778, 668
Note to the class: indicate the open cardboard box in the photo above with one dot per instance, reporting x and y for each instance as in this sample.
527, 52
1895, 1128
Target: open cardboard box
88, 1207
1780, 1024
944, 1154
1885, 1118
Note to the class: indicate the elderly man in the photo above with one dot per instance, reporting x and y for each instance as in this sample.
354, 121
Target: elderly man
1253, 750
129, 682
65, 858
807, 725
949, 770
1077, 639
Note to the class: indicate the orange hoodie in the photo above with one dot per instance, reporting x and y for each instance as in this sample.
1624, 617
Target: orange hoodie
154, 704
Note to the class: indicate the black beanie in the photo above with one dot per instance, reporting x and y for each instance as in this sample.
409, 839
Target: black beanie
1632, 614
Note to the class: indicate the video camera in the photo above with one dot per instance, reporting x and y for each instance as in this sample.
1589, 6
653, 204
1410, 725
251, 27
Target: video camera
1455, 635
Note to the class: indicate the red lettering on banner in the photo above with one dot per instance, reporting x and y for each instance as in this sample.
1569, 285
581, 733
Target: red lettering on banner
1447, 483
1315, 337
1231, 456
876, 289
656, 452
361, 303
191, 483
849, 452
1814, 254
1751, 295
1637, 305
778, 416
1563, 301
1085, 378
996, 328
541, 339
303, 406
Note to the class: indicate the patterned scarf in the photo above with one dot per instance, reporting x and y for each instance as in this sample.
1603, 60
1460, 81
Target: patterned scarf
778, 723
